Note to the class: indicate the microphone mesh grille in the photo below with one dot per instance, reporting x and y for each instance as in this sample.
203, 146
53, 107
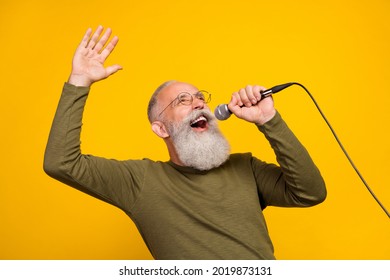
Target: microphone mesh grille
222, 112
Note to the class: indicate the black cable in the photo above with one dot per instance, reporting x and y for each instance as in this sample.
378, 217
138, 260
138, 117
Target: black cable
343, 149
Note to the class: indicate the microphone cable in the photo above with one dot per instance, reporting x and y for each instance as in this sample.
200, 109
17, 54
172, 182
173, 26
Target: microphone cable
342, 147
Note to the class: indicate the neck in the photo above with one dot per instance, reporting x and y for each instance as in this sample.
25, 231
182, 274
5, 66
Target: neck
173, 155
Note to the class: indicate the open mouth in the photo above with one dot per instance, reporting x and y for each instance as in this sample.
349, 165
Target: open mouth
199, 123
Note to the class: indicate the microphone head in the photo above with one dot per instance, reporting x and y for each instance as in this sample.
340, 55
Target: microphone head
222, 112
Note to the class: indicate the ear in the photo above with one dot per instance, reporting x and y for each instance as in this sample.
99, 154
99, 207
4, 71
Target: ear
159, 128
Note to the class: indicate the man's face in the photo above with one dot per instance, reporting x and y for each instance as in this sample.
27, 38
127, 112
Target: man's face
176, 112
193, 129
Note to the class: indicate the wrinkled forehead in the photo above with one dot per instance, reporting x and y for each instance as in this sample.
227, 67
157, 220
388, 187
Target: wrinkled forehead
171, 91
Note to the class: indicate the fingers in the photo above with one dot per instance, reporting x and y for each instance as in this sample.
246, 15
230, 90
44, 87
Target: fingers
85, 40
96, 44
247, 104
248, 96
103, 40
92, 42
109, 48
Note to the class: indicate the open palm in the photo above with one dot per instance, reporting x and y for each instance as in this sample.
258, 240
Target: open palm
88, 61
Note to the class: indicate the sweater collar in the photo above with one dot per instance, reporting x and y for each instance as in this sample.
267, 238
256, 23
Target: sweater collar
187, 169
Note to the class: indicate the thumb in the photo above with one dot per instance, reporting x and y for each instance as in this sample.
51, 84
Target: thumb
233, 105
113, 69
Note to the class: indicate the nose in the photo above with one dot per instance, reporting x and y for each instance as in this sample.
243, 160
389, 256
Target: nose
198, 104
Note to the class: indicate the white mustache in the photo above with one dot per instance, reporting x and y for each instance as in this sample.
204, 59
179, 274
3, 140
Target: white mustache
197, 113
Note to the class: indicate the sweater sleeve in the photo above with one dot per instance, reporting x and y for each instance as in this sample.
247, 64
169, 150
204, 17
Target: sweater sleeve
296, 182
105, 179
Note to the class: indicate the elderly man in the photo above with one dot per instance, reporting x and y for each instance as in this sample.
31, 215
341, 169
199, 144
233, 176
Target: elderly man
204, 203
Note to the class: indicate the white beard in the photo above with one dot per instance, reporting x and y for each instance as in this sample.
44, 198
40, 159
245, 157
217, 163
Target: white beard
200, 150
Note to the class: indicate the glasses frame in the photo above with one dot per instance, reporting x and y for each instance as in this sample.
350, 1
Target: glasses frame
204, 92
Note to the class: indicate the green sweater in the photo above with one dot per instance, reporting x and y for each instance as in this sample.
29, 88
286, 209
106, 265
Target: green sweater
183, 213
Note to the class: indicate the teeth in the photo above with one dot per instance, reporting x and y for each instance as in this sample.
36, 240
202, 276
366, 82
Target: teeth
201, 118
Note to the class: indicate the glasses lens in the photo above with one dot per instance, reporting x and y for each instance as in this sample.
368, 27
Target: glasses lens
204, 96
185, 98
200, 96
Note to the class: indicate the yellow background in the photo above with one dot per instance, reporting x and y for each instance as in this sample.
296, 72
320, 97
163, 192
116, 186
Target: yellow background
340, 50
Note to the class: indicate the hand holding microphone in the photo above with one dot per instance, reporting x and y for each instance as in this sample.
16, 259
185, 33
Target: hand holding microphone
251, 104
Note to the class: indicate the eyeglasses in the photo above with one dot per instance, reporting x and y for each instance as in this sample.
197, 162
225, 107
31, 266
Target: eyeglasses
186, 98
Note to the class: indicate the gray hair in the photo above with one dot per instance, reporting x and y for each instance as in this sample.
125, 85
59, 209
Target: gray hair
152, 106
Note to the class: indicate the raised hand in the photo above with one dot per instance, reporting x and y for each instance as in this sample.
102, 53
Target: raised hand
88, 61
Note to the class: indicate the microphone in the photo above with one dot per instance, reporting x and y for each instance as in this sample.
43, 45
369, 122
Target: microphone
222, 111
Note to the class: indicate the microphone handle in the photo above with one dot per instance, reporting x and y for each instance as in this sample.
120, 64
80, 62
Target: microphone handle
222, 111
265, 94
274, 89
